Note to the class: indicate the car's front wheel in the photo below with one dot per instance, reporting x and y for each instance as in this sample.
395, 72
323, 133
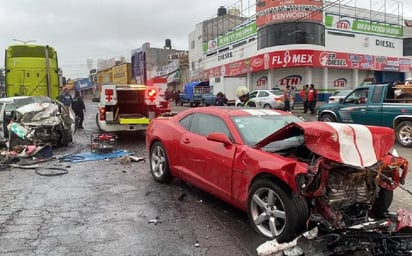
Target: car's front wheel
404, 133
159, 163
274, 212
327, 117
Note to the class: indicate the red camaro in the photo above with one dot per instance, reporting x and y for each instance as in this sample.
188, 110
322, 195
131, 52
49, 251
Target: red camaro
285, 173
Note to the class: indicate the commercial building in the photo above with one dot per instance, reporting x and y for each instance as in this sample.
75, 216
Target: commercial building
331, 45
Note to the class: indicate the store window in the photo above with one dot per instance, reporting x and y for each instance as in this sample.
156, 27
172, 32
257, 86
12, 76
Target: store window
407, 47
291, 33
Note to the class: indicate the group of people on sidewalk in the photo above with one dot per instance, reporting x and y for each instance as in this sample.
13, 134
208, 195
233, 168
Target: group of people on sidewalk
76, 103
308, 94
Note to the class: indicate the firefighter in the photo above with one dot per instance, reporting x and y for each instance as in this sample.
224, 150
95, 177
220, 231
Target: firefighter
243, 94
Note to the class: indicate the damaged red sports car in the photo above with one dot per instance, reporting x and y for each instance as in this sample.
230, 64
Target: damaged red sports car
286, 174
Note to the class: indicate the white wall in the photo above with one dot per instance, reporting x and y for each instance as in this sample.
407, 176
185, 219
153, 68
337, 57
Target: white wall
364, 44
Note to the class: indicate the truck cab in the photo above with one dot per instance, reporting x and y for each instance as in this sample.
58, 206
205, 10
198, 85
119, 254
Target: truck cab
386, 104
127, 107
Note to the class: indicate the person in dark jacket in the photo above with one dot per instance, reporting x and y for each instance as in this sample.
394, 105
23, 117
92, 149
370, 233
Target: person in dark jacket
78, 109
66, 98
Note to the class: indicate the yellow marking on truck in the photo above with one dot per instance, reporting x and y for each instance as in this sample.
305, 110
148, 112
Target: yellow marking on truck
134, 120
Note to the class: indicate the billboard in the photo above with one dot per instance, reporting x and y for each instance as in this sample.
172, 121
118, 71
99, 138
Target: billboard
277, 11
311, 58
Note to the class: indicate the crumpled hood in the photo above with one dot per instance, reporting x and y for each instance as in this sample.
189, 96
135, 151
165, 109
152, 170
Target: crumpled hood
43, 113
351, 144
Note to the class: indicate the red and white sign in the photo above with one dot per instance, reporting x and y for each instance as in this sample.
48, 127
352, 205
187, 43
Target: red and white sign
310, 58
273, 11
340, 82
290, 80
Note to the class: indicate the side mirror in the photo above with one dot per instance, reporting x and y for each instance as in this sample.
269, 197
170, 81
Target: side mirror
219, 137
341, 100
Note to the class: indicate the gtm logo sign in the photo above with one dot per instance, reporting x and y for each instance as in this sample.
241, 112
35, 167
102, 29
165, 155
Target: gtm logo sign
343, 24
340, 82
290, 80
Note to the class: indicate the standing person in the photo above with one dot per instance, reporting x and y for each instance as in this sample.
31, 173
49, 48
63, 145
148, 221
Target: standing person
168, 95
304, 97
243, 94
177, 97
292, 96
78, 109
66, 97
286, 98
220, 99
312, 98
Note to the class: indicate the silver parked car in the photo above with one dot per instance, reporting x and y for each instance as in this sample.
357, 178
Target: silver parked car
266, 99
338, 94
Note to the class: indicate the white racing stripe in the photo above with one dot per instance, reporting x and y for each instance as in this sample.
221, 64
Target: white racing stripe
260, 112
356, 144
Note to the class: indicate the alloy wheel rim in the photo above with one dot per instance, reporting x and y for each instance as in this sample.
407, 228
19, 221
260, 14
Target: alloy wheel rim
405, 135
268, 212
158, 161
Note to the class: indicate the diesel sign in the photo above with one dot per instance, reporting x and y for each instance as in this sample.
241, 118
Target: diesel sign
384, 43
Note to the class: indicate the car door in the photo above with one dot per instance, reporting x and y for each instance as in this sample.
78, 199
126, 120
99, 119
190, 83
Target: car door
207, 164
354, 108
254, 97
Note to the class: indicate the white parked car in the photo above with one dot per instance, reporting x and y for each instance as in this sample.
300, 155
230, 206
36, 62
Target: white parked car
266, 99
338, 94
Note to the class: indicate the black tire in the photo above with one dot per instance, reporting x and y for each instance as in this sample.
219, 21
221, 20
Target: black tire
382, 203
159, 163
267, 106
291, 210
403, 133
181, 103
97, 123
328, 117
239, 105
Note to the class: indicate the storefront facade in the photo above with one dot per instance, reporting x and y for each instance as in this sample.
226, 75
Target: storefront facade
333, 48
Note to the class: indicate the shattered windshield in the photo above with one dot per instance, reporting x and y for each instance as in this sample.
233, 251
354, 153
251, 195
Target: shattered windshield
254, 128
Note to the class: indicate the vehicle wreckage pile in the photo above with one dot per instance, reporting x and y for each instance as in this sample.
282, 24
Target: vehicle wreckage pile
36, 120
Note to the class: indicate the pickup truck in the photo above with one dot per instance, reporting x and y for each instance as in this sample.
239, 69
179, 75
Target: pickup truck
194, 93
386, 104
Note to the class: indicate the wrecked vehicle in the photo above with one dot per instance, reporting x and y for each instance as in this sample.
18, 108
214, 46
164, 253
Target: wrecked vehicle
35, 120
288, 175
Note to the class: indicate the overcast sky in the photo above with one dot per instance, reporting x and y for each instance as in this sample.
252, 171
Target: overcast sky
101, 29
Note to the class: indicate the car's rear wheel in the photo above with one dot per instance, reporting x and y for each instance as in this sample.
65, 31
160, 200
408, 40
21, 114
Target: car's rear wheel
267, 106
327, 117
159, 163
382, 203
274, 212
404, 133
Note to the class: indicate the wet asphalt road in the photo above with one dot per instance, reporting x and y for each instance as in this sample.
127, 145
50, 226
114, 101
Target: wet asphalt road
104, 208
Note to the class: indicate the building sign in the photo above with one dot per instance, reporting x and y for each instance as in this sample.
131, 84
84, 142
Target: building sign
262, 81
290, 80
225, 55
340, 82
277, 11
310, 58
239, 33
365, 26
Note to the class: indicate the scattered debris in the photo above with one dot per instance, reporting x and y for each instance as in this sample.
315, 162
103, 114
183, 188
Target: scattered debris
197, 243
155, 220
182, 196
